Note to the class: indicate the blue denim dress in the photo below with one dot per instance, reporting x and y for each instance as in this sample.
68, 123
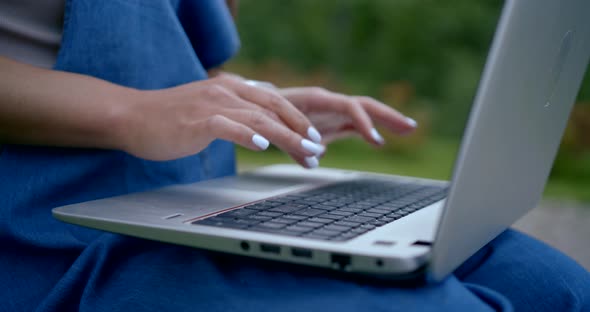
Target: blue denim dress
48, 265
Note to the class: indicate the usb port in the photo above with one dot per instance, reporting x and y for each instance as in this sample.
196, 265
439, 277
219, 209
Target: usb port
340, 261
301, 253
270, 248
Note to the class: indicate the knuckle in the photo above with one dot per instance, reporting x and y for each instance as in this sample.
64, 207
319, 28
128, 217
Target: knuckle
258, 118
319, 91
365, 98
354, 105
214, 122
272, 115
215, 91
224, 78
275, 101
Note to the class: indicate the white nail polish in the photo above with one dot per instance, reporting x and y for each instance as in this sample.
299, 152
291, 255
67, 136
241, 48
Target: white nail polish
312, 162
260, 141
312, 147
376, 136
411, 122
314, 135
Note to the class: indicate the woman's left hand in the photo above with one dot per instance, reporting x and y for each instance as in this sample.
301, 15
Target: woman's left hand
337, 115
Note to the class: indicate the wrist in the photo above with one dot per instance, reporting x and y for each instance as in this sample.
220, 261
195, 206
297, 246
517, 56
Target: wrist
120, 118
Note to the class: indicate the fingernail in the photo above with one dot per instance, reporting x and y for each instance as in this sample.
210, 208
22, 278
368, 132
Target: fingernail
312, 162
376, 136
411, 122
314, 135
260, 141
312, 147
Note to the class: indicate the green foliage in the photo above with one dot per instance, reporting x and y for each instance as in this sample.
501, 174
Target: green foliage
438, 46
424, 57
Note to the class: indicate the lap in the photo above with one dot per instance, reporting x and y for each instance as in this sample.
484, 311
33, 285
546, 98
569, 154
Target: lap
530, 274
124, 273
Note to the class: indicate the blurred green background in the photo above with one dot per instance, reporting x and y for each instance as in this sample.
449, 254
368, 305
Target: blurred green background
423, 57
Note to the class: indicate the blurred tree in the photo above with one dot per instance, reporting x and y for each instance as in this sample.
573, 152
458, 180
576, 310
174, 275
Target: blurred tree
439, 47
424, 57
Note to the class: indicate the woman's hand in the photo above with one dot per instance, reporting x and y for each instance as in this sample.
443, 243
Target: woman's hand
336, 115
171, 123
53, 108
181, 121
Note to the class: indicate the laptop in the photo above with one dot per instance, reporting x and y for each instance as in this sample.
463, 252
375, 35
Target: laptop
388, 226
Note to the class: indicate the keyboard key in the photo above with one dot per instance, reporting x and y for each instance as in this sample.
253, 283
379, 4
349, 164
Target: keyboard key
341, 213
271, 225
336, 212
367, 226
257, 206
326, 232
310, 212
239, 212
209, 221
294, 217
349, 235
298, 229
378, 210
358, 219
338, 228
347, 223
259, 218
396, 215
315, 236
309, 224
266, 230
269, 214
359, 230
320, 220
287, 208
331, 216
333, 204
235, 225
351, 209
361, 206
284, 220
323, 207
245, 221
391, 206
387, 219
308, 201
278, 201
344, 236
370, 215
378, 222
293, 196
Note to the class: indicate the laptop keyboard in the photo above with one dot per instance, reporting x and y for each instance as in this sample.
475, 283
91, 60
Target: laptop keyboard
335, 212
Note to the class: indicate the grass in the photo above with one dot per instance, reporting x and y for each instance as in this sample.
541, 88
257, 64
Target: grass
433, 159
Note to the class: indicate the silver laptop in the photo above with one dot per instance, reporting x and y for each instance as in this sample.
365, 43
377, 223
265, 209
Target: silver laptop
382, 225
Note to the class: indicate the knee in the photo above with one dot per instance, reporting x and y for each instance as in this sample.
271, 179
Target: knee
533, 274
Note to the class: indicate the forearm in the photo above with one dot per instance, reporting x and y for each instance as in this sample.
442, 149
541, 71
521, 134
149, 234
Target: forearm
46, 107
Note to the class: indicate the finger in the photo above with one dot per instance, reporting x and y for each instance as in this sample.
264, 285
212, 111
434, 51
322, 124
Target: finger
274, 102
340, 135
227, 99
264, 121
333, 126
352, 108
309, 162
221, 127
329, 122
344, 132
277, 133
387, 116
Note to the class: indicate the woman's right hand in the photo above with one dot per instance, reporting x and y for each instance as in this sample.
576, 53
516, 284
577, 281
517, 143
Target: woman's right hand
181, 121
